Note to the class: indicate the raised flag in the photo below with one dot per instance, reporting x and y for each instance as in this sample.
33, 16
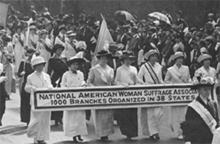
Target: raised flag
103, 38
3, 14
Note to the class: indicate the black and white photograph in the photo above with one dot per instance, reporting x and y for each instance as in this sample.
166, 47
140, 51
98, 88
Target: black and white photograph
110, 71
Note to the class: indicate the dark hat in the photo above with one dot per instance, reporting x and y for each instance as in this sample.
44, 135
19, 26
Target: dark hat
127, 54
104, 53
58, 46
202, 82
30, 50
61, 27
77, 58
153, 29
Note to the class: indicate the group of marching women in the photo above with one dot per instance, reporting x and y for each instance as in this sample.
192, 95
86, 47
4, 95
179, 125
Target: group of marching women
67, 74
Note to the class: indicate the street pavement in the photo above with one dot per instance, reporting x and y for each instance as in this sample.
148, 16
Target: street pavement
14, 132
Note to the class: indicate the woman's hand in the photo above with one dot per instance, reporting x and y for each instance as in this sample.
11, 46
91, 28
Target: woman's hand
23, 73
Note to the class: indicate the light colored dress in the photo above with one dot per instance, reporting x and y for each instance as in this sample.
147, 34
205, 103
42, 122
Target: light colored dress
151, 117
44, 52
104, 119
18, 49
32, 41
74, 120
39, 126
70, 50
177, 113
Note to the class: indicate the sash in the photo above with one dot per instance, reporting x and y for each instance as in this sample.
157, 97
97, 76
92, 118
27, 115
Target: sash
45, 45
20, 41
73, 46
102, 75
33, 43
152, 73
63, 40
205, 115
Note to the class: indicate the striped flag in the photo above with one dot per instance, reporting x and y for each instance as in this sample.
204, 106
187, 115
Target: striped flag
3, 14
103, 38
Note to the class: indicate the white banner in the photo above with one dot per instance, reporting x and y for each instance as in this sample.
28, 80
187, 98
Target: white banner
113, 97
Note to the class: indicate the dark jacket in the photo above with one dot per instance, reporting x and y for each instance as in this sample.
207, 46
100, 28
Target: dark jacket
194, 128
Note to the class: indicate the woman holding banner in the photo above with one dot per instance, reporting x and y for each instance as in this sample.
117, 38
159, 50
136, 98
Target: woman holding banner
39, 127
151, 74
127, 75
74, 120
102, 75
178, 73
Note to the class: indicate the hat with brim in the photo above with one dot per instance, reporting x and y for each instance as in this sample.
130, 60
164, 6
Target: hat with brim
71, 35
30, 50
62, 27
37, 61
104, 53
58, 46
150, 53
178, 55
43, 31
127, 54
203, 57
77, 58
33, 27
204, 82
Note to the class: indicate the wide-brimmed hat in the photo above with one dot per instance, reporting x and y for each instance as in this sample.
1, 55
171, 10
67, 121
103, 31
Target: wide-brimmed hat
37, 60
178, 55
58, 46
81, 45
77, 58
61, 27
43, 31
30, 50
203, 82
70, 33
104, 53
127, 54
203, 57
150, 53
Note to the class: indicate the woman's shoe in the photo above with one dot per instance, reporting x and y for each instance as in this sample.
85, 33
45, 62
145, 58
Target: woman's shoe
128, 138
80, 138
41, 142
155, 137
104, 138
75, 139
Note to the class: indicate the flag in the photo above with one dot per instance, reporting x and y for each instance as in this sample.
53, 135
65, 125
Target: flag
103, 37
3, 14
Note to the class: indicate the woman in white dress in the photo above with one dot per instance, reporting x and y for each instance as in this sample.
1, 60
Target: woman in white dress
44, 46
18, 42
178, 73
39, 126
74, 120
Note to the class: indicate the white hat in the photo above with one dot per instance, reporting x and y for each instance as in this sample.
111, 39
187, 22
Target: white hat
203, 57
70, 33
32, 27
37, 60
81, 45
150, 53
78, 58
178, 54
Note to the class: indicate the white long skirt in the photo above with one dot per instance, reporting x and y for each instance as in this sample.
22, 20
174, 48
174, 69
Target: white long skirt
151, 119
104, 122
177, 116
75, 123
39, 126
